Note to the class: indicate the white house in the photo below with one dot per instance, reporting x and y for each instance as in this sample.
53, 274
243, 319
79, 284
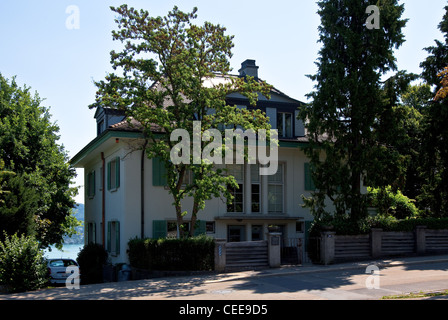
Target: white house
126, 198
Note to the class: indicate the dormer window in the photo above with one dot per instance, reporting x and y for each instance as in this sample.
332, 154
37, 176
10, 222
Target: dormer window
284, 124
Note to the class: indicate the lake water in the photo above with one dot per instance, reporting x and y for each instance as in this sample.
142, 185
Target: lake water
68, 251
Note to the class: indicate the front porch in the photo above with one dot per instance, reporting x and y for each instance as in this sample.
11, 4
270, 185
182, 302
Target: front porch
247, 237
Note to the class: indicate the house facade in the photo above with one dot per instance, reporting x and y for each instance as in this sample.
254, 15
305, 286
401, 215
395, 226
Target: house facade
126, 196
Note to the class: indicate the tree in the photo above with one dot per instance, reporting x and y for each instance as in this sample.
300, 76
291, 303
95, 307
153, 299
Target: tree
343, 119
3, 175
39, 201
168, 69
415, 100
434, 169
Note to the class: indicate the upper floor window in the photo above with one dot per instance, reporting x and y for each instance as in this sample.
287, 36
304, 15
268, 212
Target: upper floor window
284, 124
255, 188
276, 191
237, 204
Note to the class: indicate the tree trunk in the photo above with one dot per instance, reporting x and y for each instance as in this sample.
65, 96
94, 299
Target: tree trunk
194, 218
180, 222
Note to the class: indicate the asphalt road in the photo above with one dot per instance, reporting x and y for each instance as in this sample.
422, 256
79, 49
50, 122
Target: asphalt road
296, 283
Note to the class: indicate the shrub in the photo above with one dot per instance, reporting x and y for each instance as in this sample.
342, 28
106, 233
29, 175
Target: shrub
189, 254
22, 264
392, 203
91, 260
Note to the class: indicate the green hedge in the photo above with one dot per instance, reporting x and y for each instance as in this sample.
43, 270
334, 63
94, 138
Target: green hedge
344, 226
409, 224
91, 260
190, 254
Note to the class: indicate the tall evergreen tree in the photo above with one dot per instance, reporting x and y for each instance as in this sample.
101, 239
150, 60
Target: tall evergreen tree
343, 117
434, 171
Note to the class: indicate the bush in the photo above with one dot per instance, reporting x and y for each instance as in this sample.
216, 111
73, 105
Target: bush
22, 264
91, 260
408, 225
190, 254
344, 226
392, 203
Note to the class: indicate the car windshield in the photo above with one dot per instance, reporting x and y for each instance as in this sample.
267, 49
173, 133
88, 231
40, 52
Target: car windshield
62, 263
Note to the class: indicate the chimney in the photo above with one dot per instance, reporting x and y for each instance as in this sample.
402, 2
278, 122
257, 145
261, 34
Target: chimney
248, 68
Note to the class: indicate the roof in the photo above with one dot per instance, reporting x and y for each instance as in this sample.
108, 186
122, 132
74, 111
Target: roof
133, 128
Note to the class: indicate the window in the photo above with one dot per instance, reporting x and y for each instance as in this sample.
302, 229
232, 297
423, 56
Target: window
255, 188
210, 226
257, 233
237, 204
113, 237
113, 174
188, 178
91, 184
275, 191
172, 228
284, 124
90, 232
300, 226
236, 233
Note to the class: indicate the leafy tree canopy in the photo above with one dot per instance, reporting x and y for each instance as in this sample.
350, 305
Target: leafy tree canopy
39, 199
174, 72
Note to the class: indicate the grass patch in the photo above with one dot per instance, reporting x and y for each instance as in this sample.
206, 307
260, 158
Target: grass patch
418, 295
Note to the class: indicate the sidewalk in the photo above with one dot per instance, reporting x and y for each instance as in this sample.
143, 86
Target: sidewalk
312, 268
185, 286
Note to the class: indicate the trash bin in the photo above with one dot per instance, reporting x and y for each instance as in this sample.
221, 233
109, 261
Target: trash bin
125, 273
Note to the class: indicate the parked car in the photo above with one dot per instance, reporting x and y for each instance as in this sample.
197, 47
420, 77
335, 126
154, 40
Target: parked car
57, 269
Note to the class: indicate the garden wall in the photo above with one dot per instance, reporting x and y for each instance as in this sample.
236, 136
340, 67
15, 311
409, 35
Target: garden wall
378, 244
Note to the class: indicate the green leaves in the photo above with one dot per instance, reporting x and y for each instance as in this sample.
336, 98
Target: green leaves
342, 120
174, 72
39, 194
22, 263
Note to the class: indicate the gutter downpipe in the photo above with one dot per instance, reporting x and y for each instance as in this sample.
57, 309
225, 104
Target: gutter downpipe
142, 191
103, 203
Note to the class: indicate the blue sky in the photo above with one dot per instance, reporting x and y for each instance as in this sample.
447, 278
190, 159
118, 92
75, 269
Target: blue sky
61, 64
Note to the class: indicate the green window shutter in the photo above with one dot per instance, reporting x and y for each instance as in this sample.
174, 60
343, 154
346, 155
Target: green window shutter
200, 228
117, 237
109, 227
159, 229
86, 233
309, 183
93, 232
91, 184
158, 173
117, 172
108, 175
